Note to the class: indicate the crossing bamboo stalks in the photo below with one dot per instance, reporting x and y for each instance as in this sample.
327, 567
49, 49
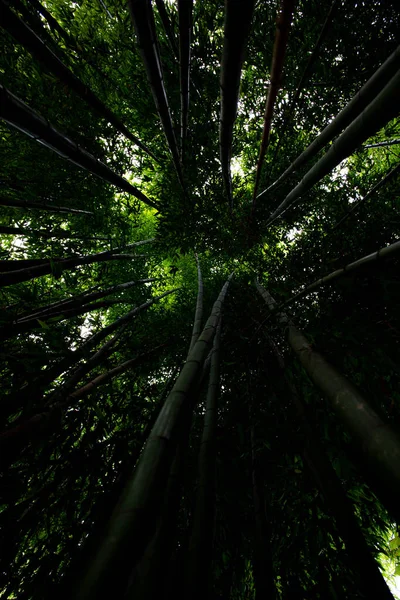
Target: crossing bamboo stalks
81, 300
238, 16
350, 112
22, 117
142, 15
278, 56
383, 108
378, 444
28, 38
134, 519
26, 431
35, 388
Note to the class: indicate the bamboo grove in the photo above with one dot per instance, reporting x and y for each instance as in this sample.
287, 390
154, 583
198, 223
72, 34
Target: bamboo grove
199, 277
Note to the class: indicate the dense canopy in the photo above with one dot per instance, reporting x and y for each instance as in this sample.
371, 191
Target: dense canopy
199, 276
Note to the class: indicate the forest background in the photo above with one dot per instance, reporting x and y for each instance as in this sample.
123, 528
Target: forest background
143, 134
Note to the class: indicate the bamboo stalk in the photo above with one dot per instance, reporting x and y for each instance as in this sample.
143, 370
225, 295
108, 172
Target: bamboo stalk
378, 444
142, 16
199, 557
386, 252
32, 42
383, 108
278, 56
25, 119
368, 195
350, 112
238, 17
41, 206
58, 265
134, 519
185, 8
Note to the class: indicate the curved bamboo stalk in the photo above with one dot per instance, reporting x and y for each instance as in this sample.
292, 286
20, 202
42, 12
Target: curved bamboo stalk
22, 117
185, 8
41, 206
134, 519
142, 16
368, 195
197, 573
379, 112
378, 444
32, 42
238, 16
349, 113
278, 56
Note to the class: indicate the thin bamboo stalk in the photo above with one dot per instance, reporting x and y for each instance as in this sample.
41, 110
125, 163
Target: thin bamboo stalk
41, 206
386, 252
185, 8
142, 17
32, 42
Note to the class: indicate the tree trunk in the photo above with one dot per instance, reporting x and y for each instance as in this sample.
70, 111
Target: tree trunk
162, 11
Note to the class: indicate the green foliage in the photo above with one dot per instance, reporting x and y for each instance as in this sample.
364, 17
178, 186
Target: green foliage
58, 488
